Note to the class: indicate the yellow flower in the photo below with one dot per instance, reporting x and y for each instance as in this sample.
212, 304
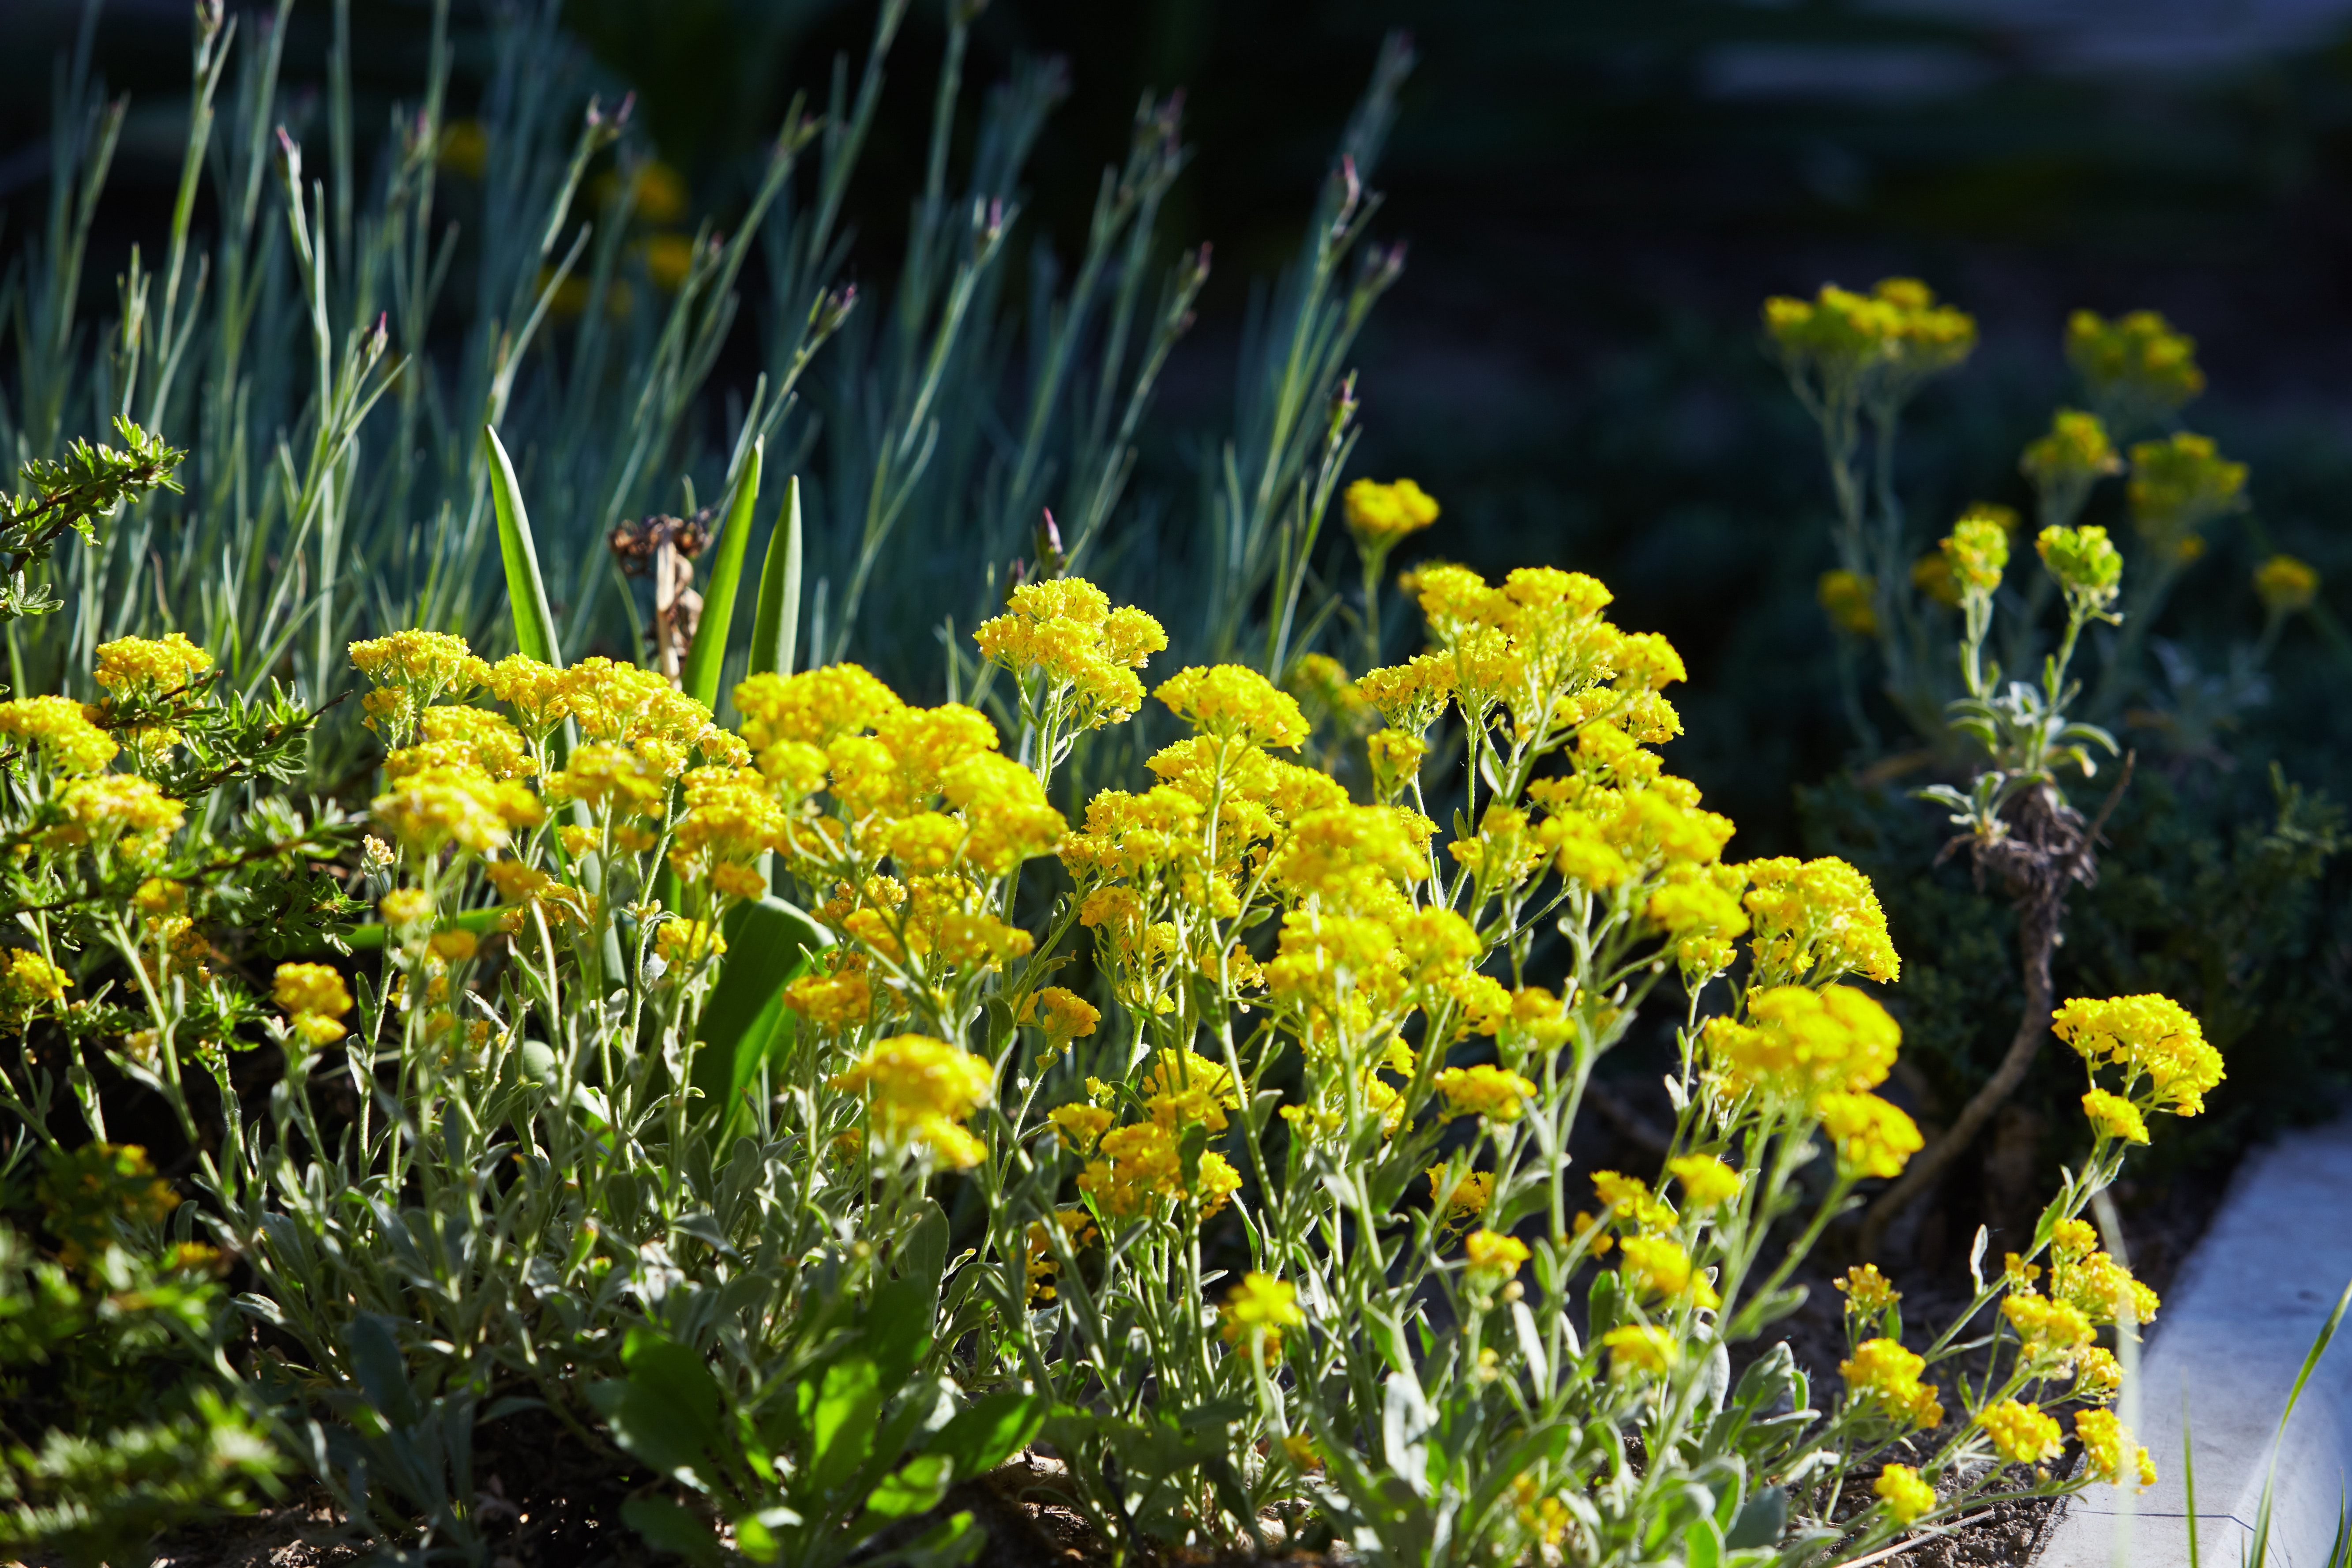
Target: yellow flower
62, 731
2149, 1036
454, 946
2286, 584
2107, 1445
1396, 757
1850, 600
1867, 1291
1064, 629
1883, 1371
1493, 1257
1638, 1347
312, 996
100, 810
28, 981
2046, 1328
2098, 1375
1467, 1198
1706, 1181
2113, 1116
1908, 1496
1261, 1304
1064, 1016
1817, 920
2084, 561
2020, 1433
688, 941
918, 1090
406, 907
1081, 1126
1379, 515
1043, 1265
1184, 1088
1410, 696
1803, 1044
149, 666
813, 708
843, 1001
2074, 457
1656, 1266
2138, 363
1874, 1138
1496, 1093
436, 807
1977, 550
2180, 484
2098, 1286
1232, 701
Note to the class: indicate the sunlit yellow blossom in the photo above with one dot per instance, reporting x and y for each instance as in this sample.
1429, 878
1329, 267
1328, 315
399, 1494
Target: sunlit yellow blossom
1410, 696
60, 730
405, 905
1977, 550
1064, 1016
1874, 1138
150, 666
1640, 1347
30, 980
1232, 701
103, 809
2150, 1036
2110, 1453
1468, 1196
1493, 1092
1139, 1168
1867, 1291
1064, 629
1804, 1043
1491, 1256
427, 663
436, 807
1817, 920
2113, 1116
682, 942
2046, 1327
454, 946
1907, 1497
1259, 1309
1184, 1088
2020, 1433
1656, 1266
1379, 515
2099, 1288
2098, 1375
2084, 561
312, 996
1080, 1125
917, 1091
1881, 1370
1706, 1181
841, 1001
811, 707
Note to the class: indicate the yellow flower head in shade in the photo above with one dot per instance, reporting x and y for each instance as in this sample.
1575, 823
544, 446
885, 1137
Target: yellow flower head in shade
1261, 1304
1802, 1044
106, 808
1066, 629
1656, 1266
1043, 1265
686, 942
2149, 1036
1139, 1168
2178, 485
1867, 1291
60, 730
312, 996
2113, 1116
1396, 757
2021, 1433
1874, 1138
1184, 1088
150, 666
2075, 455
1906, 1494
1379, 515
2137, 365
1496, 1093
1706, 1181
2286, 584
918, 1092
454, 946
1640, 1348
2100, 1288
2111, 1455
1232, 701
1976, 551
28, 981
1817, 920
1850, 600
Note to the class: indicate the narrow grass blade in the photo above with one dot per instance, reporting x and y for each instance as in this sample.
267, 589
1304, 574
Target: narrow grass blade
534, 623
706, 657
776, 624
2259, 1553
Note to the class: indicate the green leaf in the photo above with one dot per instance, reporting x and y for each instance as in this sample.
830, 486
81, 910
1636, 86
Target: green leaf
665, 1412
1703, 1544
1762, 1520
776, 620
768, 944
534, 623
707, 653
381, 1370
840, 1427
667, 1526
985, 1437
916, 1486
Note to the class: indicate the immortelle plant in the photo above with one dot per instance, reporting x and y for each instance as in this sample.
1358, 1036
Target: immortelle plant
1273, 1233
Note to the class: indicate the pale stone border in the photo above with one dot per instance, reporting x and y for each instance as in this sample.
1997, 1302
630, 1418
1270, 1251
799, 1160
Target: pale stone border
2233, 1333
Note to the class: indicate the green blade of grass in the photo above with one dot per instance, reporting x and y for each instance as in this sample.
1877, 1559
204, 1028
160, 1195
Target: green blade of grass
2259, 1553
534, 623
776, 624
708, 655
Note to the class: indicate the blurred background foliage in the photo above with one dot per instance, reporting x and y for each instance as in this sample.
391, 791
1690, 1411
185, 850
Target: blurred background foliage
1597, 197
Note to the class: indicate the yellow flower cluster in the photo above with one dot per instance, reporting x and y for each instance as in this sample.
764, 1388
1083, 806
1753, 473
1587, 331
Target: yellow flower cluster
1064, 1014
2084, 561
29, 982
1043, 1267
1492, 1257
1976, 551
114, 807
1816, 922
2178, 485
1260, 1307
1850, 599
312, 996
1466, 1199
434, 807
1706, 1181
1867, 1291
2286, 584
1652, 1265
409, 671
2092, 1283
1496, 1093
1873, 1137
1065, 630
1234, 702
1379, 515
1880, 344
151, 668
2137, 360
2110, 1453
2021, 1433
2151, 1037
1139, 1170
2075, 455
1906, 1494
1640, 1348
919, 1092
60, 731
1883, 1371
1800, 1045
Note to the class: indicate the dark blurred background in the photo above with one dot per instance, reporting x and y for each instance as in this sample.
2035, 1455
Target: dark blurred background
1597, 197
